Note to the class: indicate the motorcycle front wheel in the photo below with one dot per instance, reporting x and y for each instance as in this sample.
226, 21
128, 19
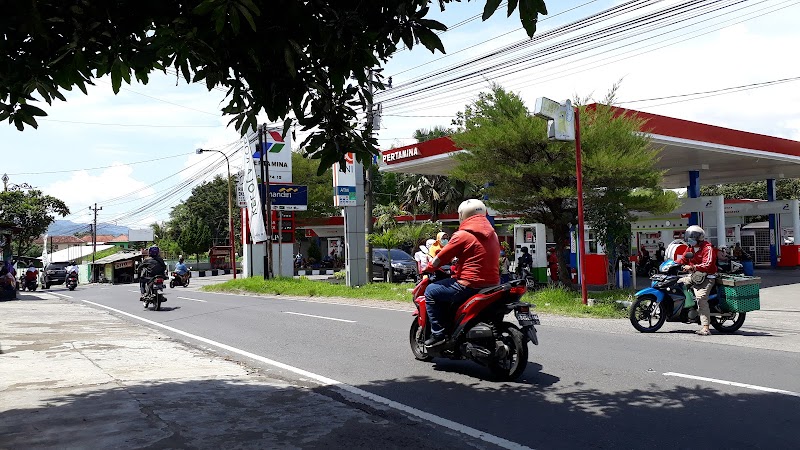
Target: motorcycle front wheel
510, 366
417, 340
728, 324
646, 314
171, 284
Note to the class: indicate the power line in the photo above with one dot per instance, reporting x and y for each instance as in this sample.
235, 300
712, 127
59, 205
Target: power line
732, 88
130, 124
103, 167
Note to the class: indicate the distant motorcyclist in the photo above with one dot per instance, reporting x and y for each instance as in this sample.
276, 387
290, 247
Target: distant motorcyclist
477, 248
181, 268
32, 274
702, 267
71, 268
152, 266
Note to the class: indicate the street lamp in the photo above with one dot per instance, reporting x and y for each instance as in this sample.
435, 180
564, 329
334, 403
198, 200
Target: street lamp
13, 186
230, 207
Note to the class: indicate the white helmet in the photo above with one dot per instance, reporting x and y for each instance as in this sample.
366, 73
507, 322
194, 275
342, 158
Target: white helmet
430, 242
469, 208
694, 234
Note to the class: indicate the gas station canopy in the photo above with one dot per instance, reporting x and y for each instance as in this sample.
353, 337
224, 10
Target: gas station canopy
721, 155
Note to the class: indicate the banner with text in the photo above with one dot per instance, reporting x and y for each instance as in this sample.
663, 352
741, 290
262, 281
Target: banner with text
258, 231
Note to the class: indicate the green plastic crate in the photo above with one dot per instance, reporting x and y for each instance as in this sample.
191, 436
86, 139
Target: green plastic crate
741, 298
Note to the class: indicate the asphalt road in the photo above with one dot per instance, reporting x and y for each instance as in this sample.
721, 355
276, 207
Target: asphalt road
582, 388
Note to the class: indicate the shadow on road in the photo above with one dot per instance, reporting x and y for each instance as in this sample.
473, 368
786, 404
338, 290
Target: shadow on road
537, 413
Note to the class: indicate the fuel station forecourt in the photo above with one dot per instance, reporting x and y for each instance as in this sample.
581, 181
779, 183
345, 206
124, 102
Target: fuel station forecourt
690, 152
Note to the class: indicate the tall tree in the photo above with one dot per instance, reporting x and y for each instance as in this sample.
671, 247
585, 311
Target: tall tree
310, 58
537, 176
195, 238
209, 203
320, 187
33, 212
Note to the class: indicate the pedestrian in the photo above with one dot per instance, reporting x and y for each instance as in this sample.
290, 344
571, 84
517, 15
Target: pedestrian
702, 268
661, 253
505, 265
552, 263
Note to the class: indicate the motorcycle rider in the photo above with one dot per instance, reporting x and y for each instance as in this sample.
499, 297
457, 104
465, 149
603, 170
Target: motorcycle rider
152, 266
181, 269
32, 274
71, 269
703, 268
477, 248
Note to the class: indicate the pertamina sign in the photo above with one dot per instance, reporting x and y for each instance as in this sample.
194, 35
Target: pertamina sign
400, 154
277, 151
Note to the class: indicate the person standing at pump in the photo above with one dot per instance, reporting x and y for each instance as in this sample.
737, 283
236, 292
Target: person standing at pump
661, 253
702, 268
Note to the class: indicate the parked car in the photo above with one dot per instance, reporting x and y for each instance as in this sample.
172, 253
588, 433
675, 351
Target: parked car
403, 266
54, 273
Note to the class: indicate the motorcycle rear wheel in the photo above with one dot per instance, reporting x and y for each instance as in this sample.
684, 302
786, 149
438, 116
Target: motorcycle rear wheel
719, 323
157, 302
512, 366
171, 284
645, 308
71, 287
417, 340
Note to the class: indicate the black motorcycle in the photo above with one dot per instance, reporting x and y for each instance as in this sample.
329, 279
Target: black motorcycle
30, 285
180, 280
153, 292
72, 281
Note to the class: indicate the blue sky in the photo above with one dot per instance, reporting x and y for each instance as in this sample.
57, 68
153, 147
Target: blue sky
180, 117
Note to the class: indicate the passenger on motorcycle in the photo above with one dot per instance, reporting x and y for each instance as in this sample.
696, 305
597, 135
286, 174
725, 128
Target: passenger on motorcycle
152, 266
442, 239
703, 268
477, 248
422, 257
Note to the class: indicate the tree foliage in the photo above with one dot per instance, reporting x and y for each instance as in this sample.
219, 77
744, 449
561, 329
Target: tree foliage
320, 187
32, 211
310, 58
537, 176
785, 189
389, 238
209, 203
195, 237
386, 215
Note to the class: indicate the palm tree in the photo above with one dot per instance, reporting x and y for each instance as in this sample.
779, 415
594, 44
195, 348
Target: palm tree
387, 215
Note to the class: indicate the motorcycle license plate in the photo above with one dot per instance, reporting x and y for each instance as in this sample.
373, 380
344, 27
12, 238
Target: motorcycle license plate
527, 317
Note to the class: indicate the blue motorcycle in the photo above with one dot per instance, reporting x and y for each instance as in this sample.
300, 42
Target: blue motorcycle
668, 300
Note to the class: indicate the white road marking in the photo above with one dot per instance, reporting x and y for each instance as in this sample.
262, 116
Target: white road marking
131, 290
193, 299
325, 381
319, 317
733, 383
295, 299
60, 295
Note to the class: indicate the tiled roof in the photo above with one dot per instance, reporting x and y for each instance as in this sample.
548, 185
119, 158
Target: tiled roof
60, 240
120, 238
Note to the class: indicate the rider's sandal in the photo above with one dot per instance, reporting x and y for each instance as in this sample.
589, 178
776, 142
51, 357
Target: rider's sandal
702, 332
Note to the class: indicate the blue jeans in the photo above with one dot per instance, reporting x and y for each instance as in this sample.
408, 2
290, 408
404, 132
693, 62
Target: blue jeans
441, 294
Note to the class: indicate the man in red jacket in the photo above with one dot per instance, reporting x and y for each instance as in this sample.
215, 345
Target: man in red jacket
702, 268
477, 248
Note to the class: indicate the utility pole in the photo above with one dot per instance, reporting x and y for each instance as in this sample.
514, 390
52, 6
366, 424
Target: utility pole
368, 187
94, 236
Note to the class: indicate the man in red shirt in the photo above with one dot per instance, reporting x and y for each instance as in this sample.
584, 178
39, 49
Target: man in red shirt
477, 248
702, 268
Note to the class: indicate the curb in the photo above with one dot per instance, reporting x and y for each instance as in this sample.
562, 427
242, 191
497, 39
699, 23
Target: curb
314, 272
213, 272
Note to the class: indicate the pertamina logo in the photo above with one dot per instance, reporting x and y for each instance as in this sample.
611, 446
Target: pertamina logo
288, 190
277, 146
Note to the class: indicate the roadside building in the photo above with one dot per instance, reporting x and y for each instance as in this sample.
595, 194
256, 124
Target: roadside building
118, 268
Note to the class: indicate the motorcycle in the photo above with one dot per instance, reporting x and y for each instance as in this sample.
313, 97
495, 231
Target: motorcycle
647, 268
180, 280
153, 292
525, 274
72, 281
666, 300
477, 331
30, 285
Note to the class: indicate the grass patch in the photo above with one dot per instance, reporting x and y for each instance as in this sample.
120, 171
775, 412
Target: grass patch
549, 300
568, 303
303, 287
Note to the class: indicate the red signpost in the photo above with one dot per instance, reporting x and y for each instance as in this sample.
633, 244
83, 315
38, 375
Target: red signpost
579, 174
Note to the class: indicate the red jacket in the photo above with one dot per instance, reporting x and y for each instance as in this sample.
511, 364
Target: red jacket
705, 258
477, 248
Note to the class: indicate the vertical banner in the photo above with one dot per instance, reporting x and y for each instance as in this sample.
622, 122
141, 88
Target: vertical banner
257, 229
45, 255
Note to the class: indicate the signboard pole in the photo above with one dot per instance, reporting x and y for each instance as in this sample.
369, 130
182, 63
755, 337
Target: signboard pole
581, 231
265, 204
280, 243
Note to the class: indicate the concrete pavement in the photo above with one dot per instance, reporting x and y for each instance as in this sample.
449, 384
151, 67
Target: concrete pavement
79, 377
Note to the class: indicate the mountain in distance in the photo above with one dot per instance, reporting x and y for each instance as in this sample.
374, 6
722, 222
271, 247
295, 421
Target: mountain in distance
68, 228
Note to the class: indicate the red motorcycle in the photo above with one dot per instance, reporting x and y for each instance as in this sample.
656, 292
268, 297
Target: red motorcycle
477, 331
